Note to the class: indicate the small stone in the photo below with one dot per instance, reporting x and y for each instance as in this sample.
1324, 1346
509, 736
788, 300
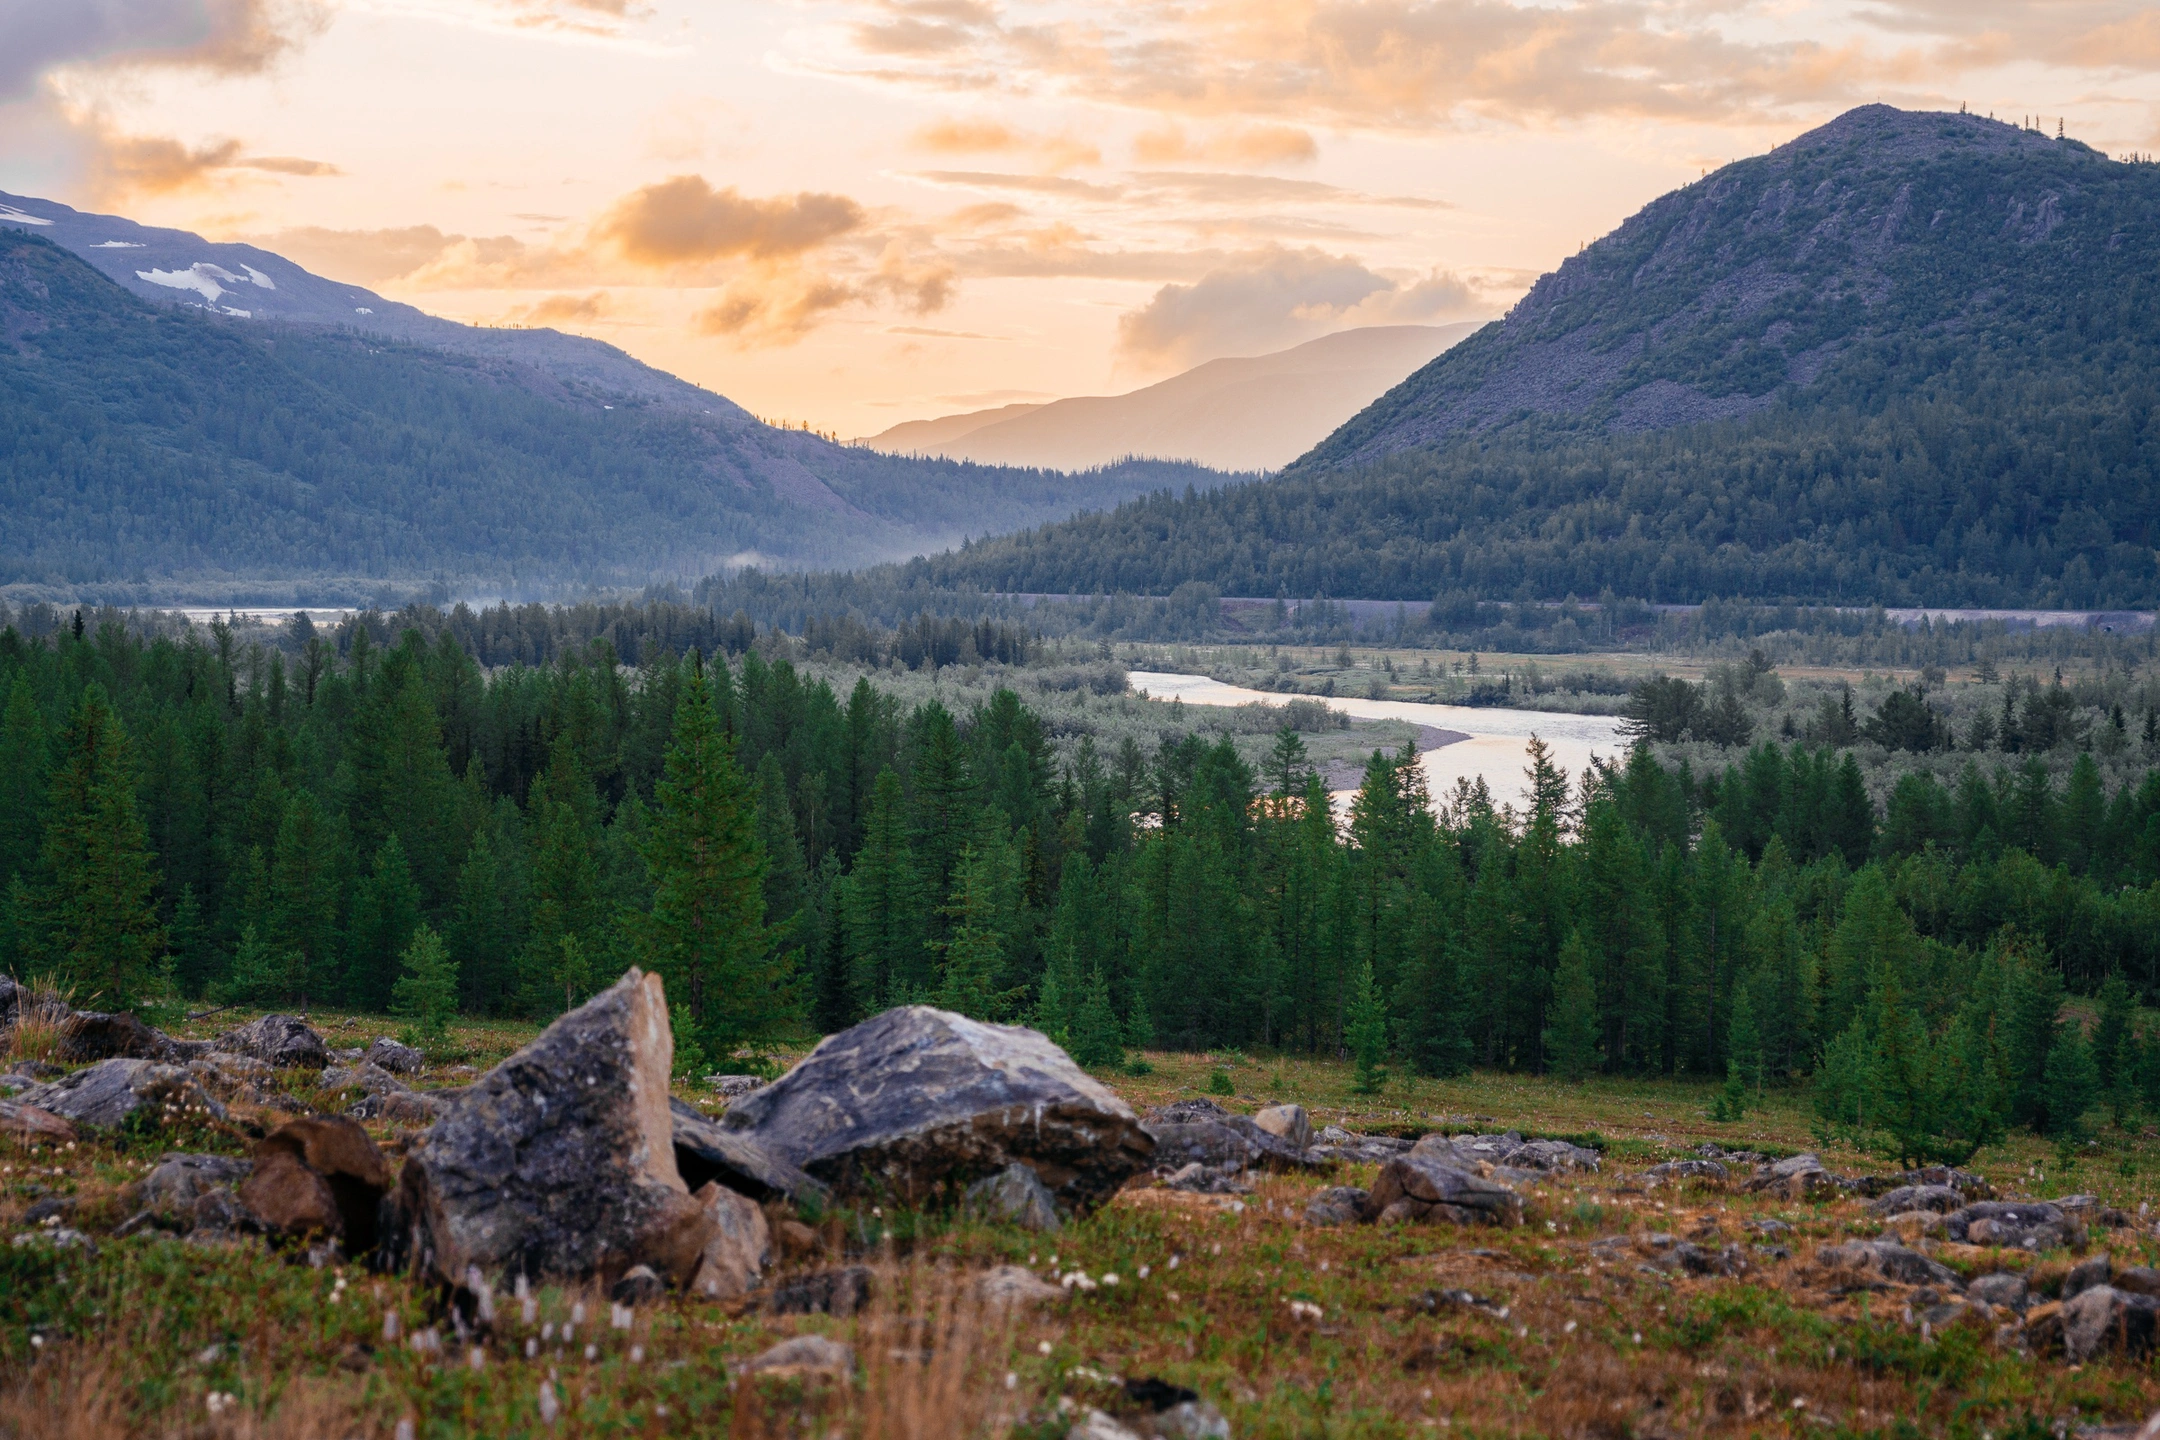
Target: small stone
1709, 1172
281, 1040
393, 1055
29, 1123
803, 1355
1013, 1196
2005, 1289
1016, 1285
734, 1086
840, 1292
1096, 1425
1337, 1205
738, 1248
638, 1286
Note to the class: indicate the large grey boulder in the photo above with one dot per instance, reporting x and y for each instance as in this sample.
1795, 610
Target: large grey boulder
2012, 1224
1797, 1177
393, 1055
559, 1162
916, 1104
1941, 1199
2104, 1320
1509, 1150
89, 1035
282, 1040
1287, 1123
1863, 1264
111, 1092
705, 1151
1421, 1187
1200, 1132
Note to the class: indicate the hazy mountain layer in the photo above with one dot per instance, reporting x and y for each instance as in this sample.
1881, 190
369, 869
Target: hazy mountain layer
1254, 413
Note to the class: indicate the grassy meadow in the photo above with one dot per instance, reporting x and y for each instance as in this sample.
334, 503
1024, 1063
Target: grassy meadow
1293, 1331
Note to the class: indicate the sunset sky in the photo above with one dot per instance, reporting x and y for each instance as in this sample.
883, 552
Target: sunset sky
856, 212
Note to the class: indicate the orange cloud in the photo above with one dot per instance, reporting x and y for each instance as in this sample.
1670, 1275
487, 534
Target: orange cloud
684, 220
564, 309
119, 166
979, 137
1257, 145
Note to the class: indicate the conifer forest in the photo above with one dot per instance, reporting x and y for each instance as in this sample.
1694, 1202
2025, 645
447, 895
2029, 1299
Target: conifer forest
334, 819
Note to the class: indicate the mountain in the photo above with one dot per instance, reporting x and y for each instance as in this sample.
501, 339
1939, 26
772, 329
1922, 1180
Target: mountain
163, 441
1906, 358
1254, 413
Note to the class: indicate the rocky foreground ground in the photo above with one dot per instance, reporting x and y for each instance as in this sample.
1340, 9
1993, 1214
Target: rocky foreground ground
934, 1227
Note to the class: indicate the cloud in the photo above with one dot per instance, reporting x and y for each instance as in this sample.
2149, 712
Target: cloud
1264, 69
1028, 184
1256, 145
225, 36
1277, 297
1217, 188
772, 310
564, 310
360, 257
981, 137
120, 166
685, 220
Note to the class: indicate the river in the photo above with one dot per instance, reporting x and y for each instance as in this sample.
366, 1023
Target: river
1495, 743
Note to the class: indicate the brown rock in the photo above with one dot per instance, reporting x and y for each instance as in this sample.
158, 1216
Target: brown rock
738, 1248
798, 1240
321, 1174
27, 1122
842, 1291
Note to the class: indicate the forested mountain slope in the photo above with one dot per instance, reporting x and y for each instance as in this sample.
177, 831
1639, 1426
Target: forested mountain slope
1907, 358
160, 451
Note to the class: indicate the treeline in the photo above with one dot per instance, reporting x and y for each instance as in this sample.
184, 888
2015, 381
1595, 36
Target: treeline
208, 820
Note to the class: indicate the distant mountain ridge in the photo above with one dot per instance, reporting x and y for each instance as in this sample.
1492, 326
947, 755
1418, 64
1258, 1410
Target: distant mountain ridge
1906, 359
159, 445
1712, 301
1246, 413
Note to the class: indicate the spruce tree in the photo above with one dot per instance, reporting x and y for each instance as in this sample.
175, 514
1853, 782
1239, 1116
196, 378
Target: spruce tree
385, 916
258, 971
1571, 1036
95, 921
1096, 1041
303, 895
888, 963
2071, 1085
23, 758
970, 960
706, 933
426, 992
1365, 1030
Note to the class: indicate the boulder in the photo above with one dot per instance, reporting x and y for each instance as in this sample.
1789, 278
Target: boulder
90, 1035
391, 1055
1013, 1196
29, 1123
917, 1104
1861, 1264
1202, 1132
12, 996
1419, 1187
1508, 1151
1198, 1179
111, 1092
2012, 1224
705, 1151
560, 1162
1681, 1172
803, 1355
734, 1087
1287, 1123
400, 1107
842, 1292
2138, 1280
2105, 1321
233, 1077
738, 1248
1967, 1184
1337, 1205
281, 1040
1797, 1177
1941, 1199
2092, 1270
2005, 1289
319, 1176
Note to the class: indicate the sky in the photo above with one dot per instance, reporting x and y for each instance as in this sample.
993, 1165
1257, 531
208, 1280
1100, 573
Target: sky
850, 213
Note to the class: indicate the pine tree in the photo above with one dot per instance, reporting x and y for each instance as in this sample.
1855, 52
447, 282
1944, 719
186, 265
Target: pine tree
571, 973
22, 781
973, 955
787, 880
303, 895
1058, 998
385, 916
189, 941
706, 933
95, 922
1365, 1030
887, 959
1287, 765
2071, 1085
1097, 1041
426, 992
1571, 1038
1744, 1057
482, 937
258, 971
